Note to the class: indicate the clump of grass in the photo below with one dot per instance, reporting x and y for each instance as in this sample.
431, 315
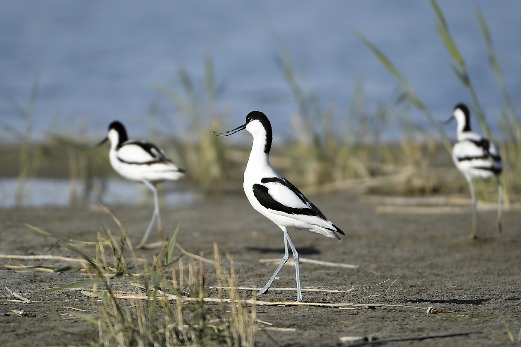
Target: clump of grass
318, 155
203, 153
163, 302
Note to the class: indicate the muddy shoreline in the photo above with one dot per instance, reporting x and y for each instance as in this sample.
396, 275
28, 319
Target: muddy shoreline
420, 278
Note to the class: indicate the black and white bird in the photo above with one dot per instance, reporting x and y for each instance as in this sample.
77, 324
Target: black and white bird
475, 157
143, 162
275, 197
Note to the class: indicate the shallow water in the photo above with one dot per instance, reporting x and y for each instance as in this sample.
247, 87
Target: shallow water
97, 61
57, 192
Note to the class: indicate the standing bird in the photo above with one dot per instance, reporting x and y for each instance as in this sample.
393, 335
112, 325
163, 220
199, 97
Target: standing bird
475, 157
140, 161
275, 197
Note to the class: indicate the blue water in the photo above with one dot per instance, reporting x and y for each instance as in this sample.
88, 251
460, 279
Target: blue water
96, 61
57, 192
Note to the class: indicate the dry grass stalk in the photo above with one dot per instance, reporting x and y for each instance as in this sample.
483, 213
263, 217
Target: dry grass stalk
341, 305
311, 261
315, 290
42, 257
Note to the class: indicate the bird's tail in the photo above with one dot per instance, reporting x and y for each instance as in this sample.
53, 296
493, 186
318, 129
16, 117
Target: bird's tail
337, 231
330, 231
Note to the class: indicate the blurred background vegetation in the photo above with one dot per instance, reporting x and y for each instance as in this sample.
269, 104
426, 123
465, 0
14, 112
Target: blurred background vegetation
320, 155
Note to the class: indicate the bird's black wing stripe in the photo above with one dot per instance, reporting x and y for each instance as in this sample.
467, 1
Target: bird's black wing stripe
496, 158
151, 162
154, 152
297, 192
474, 157
496, 170
265, 199
151, 149
481, 143
338, 230
485, 145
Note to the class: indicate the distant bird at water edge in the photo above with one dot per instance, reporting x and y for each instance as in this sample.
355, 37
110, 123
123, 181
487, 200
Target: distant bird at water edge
140, 161
475, 157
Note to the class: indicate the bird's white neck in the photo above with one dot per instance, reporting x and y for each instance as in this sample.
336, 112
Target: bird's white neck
258, 161
461, 129
463, 122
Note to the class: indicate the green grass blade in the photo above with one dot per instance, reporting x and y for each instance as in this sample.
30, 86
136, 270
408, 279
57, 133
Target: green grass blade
459, 66
171, 245
73, 285
384, 60
443, 30
86, 317
408, 90
286, 65
488, 40
59, 237
496, 68
187, 85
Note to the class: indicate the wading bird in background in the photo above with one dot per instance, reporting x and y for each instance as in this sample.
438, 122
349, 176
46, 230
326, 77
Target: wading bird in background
140, 161
475, 157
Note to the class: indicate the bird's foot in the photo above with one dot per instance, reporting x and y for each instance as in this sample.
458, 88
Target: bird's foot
265, 290
144, 245
162, 234
474, 233
262, 291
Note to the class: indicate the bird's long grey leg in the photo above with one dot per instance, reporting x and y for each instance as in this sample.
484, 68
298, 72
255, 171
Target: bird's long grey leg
295, 258
499, 203
155, 215
284, 260
473, 232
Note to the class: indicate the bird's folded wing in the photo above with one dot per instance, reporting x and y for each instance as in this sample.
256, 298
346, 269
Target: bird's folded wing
494, 153
137, 152
475, 150
278, 194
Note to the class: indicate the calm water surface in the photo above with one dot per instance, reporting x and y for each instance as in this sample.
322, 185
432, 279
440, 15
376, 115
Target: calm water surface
96, 61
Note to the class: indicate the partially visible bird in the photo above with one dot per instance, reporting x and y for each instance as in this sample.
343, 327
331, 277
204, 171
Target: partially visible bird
475, 157
275, 197
140, 161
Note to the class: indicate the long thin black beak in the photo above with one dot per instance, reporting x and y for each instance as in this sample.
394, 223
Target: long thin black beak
103, 141
451, 118
231, 132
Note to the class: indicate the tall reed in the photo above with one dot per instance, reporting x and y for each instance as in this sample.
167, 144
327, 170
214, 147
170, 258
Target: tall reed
30, 156
203, 153
323, 154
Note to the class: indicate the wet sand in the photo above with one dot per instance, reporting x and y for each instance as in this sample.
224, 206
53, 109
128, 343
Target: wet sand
420, 279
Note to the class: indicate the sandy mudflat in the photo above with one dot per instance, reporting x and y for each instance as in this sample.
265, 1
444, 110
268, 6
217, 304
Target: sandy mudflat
408, 261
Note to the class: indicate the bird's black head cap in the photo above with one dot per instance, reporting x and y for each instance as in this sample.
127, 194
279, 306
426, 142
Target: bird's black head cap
261, 117
466, 112
120, 129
